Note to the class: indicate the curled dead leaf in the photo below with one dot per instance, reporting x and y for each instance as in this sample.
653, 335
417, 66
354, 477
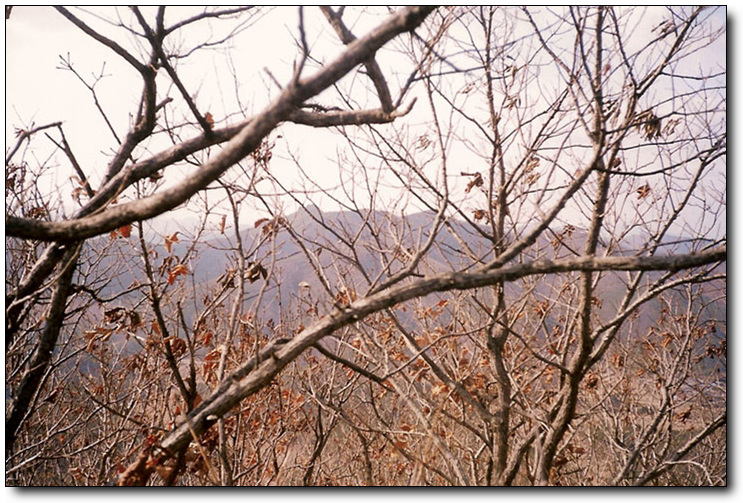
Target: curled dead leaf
176, 271
169, 240
643, 191
222, 223
475, 182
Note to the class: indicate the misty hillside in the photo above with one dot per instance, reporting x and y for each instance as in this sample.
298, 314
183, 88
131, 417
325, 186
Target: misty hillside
343, 244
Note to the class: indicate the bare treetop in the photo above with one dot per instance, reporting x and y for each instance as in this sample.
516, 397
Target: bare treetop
366, 246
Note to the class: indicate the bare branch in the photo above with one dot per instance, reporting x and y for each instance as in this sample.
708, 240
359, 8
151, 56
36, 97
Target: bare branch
236, 149
141, 68
251, 377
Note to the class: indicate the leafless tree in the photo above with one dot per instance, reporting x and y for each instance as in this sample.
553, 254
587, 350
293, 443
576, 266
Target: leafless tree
514, 274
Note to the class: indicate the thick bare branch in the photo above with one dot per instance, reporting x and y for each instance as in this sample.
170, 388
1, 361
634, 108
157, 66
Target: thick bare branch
372, 67
252, 377
140, 67
236, 149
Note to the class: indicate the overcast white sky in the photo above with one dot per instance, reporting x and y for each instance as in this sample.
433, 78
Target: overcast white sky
38, 92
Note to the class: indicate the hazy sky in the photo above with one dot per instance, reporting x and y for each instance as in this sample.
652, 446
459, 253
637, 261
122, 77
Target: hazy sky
38, 92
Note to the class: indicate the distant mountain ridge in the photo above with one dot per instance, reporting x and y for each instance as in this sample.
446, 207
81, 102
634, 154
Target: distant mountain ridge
294, 279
